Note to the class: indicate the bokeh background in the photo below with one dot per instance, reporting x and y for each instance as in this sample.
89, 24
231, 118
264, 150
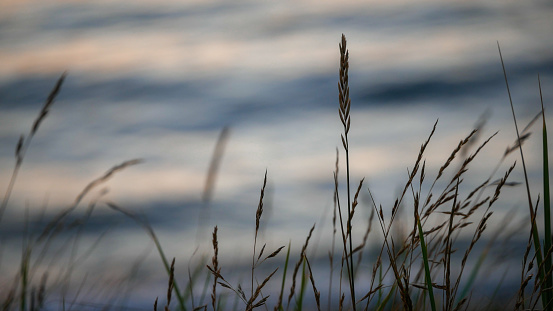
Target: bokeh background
159, 80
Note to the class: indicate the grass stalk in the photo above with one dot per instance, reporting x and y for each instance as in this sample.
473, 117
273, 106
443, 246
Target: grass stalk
315, 291
215, 265
345, 105
154, 238
23, 143
535, 234
258, 214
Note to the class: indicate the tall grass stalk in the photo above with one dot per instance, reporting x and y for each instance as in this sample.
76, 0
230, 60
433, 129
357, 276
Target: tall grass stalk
345, 105
258, 214
535, 234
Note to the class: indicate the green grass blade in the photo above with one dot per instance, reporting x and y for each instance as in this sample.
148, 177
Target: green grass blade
177, 290
497, 290
546, 209
24, 278
192, 278
299, 302
284, 277
426, 266
472, 278
382, 304
205, 288
380, 278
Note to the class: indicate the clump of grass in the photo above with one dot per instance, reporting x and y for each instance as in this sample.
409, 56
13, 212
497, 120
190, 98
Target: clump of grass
254, 300
422, 266
38, 241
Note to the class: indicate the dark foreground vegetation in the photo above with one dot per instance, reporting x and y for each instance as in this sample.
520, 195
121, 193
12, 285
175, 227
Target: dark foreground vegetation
424, 268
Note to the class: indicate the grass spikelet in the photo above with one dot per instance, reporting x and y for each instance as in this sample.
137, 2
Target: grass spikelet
259, 211
48, 103
23, 143
454, 153
273, 254
261, 253
343, 89
251, 305
258, 214
353, 205
524, 136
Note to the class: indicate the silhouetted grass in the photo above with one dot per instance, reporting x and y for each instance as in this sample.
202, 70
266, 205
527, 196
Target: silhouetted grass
421, 267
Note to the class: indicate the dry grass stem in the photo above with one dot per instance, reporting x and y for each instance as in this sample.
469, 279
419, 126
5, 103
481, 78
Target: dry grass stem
315, 291
171, 285
95, 183
23, 143
215, 267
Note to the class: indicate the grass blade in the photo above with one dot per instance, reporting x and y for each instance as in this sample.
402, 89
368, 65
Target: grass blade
279, 305
154, 238
299, 302
426, 266
382, 304
546, 208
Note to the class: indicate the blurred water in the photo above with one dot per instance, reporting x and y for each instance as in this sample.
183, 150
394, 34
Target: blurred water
158, 81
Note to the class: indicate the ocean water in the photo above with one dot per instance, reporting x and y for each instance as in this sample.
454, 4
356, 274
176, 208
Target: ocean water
160, 81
